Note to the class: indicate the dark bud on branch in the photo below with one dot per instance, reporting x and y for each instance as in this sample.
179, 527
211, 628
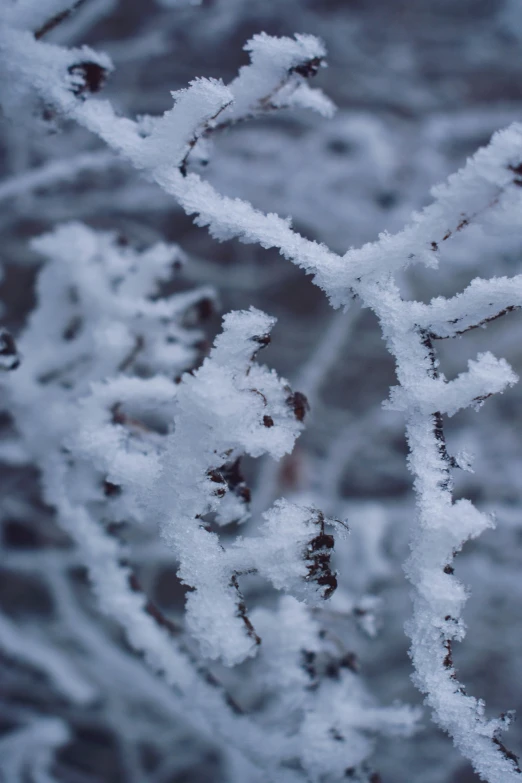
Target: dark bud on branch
262, 339
87, 77
308, 663
299, 404
205, 308
319, 571
322, 541
198, 312
324, 665
73, 328
349, 661
517, 171
117, 415
308, 68
111, 490
231, 473
318, 556
9, 358
216, 477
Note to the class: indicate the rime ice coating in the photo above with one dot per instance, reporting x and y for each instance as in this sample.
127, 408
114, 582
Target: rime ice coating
120, 434
93, 402
486, 192
223, 411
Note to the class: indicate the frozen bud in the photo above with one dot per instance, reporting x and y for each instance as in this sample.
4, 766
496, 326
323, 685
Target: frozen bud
9, 358
86, 77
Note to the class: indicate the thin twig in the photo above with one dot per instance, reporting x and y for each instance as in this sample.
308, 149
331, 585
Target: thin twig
58, 19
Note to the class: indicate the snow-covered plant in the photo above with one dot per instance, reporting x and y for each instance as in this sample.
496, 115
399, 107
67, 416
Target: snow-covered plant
486, 192
122, 438
231, 406
317, 683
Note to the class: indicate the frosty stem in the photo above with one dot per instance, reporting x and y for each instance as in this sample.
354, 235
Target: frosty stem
487, 189
443, 527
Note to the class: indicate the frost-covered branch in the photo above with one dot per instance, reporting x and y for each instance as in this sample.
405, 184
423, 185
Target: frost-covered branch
480, 303
56, 172
98, 445
62, 78
27, 647
44, 737
487, 192
129, 439
233, 406
483, 184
